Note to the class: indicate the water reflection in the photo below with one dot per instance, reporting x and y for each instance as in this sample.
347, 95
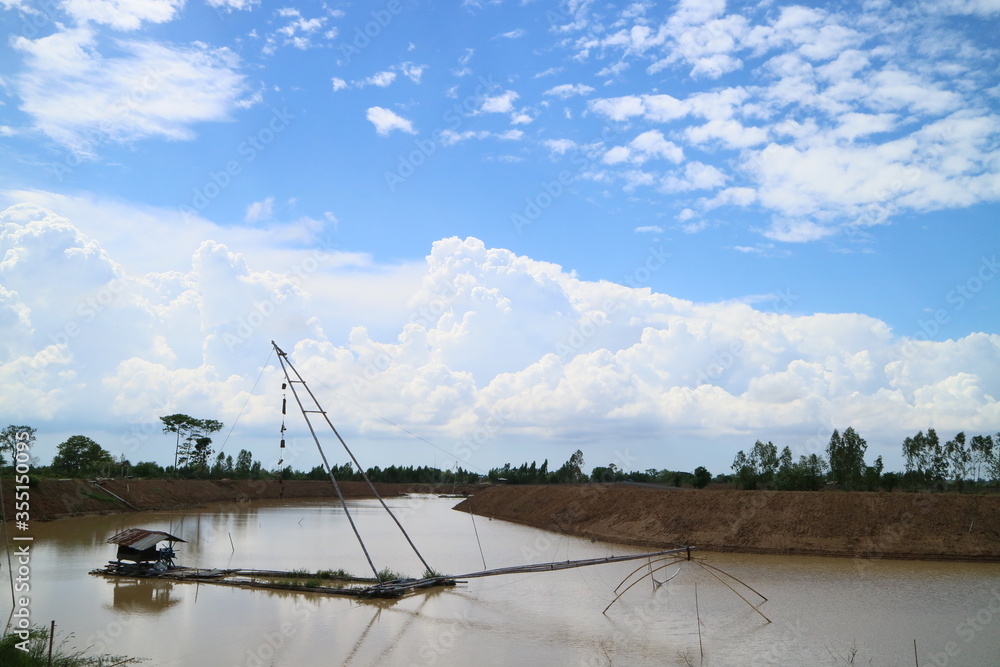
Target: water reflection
141, 596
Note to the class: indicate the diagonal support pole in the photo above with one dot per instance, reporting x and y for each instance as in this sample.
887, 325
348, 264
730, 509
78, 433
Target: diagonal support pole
288, 368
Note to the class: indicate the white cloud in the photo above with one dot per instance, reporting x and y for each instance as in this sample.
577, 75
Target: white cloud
231, 5
841, 121
559, 146
696, 176
385, 121
450, 137
514, 34
298, 32
646, 146
169, 341
338, 84
502, 103
568, 90
618, 108
123, 14
964, 7
729, 132
412, 72
260, 210
81, 98
548, 72
522, 117
380, 79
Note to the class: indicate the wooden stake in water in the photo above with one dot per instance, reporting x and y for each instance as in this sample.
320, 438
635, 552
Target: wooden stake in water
697, 614
52, 632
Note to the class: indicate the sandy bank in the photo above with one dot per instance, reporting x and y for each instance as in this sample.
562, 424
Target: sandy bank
863, 525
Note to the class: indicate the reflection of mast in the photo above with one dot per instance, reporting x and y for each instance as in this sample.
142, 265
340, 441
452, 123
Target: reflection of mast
288, 369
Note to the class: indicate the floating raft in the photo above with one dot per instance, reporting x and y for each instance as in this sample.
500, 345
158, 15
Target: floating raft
346, 585
275, 580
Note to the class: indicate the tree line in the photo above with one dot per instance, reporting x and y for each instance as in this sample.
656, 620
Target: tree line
963, 463
960, 464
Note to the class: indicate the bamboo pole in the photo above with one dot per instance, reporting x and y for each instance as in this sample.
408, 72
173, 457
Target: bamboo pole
734, 579
635, 582
737, 593
675, 559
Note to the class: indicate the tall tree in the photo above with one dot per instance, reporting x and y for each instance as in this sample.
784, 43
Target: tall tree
982, 447
182, 425
937, 461
244, 462
200, 452
190, 432
10, 436
81, 456
846, 454
746, 473
701, 477
959, 458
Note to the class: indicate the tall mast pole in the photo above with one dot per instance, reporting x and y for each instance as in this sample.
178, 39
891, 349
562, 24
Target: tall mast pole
288, 368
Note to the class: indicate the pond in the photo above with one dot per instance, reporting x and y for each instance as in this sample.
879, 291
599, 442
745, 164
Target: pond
823, 611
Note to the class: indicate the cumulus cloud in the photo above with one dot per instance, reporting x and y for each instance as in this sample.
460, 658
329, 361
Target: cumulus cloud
575, 362
81, 98
502, 103
231, 5
385, 121
123, 14
843, 120
260, 210
380, 79
568, 90
646, 146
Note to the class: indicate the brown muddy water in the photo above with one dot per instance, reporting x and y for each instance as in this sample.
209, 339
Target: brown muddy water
824, 611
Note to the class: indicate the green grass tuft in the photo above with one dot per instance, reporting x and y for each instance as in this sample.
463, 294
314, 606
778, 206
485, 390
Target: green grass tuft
37, 653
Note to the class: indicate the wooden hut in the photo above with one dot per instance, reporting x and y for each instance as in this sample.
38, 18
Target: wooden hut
140, 545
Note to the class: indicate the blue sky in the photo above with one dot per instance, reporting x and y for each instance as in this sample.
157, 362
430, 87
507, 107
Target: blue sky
773, 219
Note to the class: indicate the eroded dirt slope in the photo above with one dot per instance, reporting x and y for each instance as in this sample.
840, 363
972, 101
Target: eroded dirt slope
876, 525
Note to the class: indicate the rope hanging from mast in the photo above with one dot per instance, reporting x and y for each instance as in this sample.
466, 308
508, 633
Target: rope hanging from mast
289, 370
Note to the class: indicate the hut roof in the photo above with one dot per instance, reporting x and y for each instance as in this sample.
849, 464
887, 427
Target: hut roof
141, 539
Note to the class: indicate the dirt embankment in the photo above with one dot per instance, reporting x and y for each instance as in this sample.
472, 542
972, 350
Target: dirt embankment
864, 525
53, 499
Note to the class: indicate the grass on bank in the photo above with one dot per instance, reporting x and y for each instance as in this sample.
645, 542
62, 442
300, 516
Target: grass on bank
13, 653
